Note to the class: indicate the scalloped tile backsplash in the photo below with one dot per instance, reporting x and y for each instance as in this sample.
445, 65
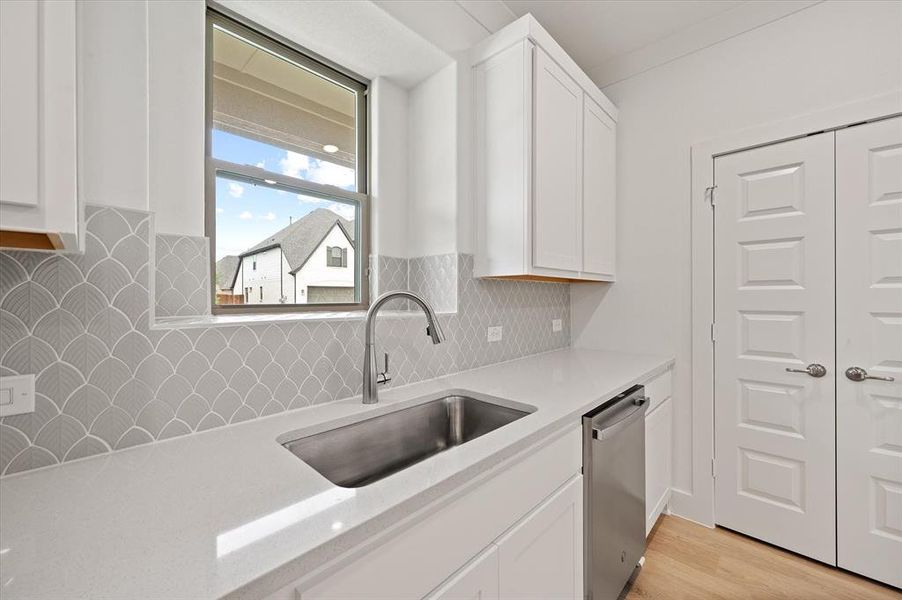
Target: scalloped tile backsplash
105, 380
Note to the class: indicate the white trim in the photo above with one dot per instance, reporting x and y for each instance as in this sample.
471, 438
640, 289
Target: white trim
697, 503
527, 27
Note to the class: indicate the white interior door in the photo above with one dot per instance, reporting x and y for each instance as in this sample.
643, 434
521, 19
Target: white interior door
774, 310
869, 336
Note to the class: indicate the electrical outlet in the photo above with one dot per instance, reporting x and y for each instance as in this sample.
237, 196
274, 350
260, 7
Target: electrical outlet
16, 395
494, 334
556, 325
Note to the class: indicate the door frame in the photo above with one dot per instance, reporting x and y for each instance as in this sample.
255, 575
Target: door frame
697, 503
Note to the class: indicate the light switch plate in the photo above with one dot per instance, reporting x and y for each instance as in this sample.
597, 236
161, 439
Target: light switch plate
16, 395
556, 325
494, 334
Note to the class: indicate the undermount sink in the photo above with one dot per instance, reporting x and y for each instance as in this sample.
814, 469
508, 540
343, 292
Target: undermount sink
360, 453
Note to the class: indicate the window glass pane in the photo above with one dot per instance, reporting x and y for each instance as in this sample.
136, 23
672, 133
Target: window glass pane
272, 113
276, 242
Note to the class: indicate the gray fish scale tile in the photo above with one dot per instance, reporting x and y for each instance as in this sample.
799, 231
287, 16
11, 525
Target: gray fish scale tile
106, 381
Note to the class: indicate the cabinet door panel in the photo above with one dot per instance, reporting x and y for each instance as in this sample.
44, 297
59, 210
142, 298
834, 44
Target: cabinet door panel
38, 191
476, 581
557, 164
599, 190
19, 102
542, 556
658, 440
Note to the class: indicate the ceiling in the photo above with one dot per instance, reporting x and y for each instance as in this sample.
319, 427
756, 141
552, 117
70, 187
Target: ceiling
609, 39
595, 32
243, 57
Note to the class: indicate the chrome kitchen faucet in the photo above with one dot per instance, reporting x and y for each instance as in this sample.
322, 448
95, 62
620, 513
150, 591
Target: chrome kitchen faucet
370, 377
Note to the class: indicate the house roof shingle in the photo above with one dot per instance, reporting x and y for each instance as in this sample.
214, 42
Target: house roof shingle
226, 269
300, 239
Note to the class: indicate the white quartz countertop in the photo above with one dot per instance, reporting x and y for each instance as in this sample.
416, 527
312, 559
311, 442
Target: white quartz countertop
231, 513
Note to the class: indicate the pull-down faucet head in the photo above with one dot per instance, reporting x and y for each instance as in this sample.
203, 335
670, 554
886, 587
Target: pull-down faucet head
433, 330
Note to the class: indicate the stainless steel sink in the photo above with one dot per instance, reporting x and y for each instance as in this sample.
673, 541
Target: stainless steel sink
361, 453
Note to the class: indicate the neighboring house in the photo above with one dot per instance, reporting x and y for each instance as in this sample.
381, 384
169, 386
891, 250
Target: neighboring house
225, 275
310, 261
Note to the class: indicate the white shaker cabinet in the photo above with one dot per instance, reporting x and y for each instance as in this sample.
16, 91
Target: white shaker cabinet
542, 556
39, 205
476, 581
599, 190
544, 161
658, 443
557, 229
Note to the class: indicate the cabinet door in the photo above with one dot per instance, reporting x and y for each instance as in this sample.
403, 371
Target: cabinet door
557, 164
37, 121
542, 556
476, 581
658, 439
599, 190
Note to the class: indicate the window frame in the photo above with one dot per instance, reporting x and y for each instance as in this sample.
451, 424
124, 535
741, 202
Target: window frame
266, 39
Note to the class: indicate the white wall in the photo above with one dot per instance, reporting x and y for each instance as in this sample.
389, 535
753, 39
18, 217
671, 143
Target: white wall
432, 165
142, 103
830, 54
176, 115
388, 163
112, 38
267, 274
315, 271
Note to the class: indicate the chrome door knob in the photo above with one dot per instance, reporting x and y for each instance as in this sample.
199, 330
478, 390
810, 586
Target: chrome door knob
859, 374
814, 369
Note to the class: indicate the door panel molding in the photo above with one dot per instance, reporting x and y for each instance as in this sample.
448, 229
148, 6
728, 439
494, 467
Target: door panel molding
694, 499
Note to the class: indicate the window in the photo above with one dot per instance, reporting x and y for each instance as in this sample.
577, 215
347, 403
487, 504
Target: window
286, 173
336, 256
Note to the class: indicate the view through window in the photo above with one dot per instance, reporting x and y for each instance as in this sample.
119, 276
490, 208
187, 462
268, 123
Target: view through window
286, 201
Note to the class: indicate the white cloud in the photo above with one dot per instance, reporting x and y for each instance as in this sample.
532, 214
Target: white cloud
236, 190
270, 216
343, 210
301, 166
331, 174
294, 164
261, 164
219, 211
309, 199
246, 215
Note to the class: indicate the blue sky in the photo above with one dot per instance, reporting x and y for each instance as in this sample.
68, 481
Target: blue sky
247, 213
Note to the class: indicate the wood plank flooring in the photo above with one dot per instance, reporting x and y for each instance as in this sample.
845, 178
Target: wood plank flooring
687, 560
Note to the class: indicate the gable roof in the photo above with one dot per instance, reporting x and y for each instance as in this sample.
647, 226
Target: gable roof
299, 240
226, 270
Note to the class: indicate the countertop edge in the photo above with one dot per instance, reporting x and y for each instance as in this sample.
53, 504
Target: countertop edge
317, 563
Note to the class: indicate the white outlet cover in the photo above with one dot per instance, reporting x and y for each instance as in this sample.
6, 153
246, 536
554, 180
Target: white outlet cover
20, 398
556, 325
494, 334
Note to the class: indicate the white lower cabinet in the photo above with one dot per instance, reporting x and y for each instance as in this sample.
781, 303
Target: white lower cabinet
542, 556
525, 518
658, 442
477, 581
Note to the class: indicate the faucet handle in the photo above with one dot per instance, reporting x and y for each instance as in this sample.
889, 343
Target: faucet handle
384, 377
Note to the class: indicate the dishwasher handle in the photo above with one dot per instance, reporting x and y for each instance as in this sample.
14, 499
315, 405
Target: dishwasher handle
609, 431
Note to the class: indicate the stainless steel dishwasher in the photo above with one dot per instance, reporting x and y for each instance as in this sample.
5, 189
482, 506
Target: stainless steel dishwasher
614, 471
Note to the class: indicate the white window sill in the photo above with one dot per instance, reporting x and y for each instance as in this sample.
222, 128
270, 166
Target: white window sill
201, 322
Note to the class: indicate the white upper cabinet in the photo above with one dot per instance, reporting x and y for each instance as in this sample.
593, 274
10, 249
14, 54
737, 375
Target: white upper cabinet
599, 190
39, 205
557, 238
544, 144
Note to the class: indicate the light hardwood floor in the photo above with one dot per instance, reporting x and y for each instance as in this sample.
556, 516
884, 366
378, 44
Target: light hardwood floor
687, 560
